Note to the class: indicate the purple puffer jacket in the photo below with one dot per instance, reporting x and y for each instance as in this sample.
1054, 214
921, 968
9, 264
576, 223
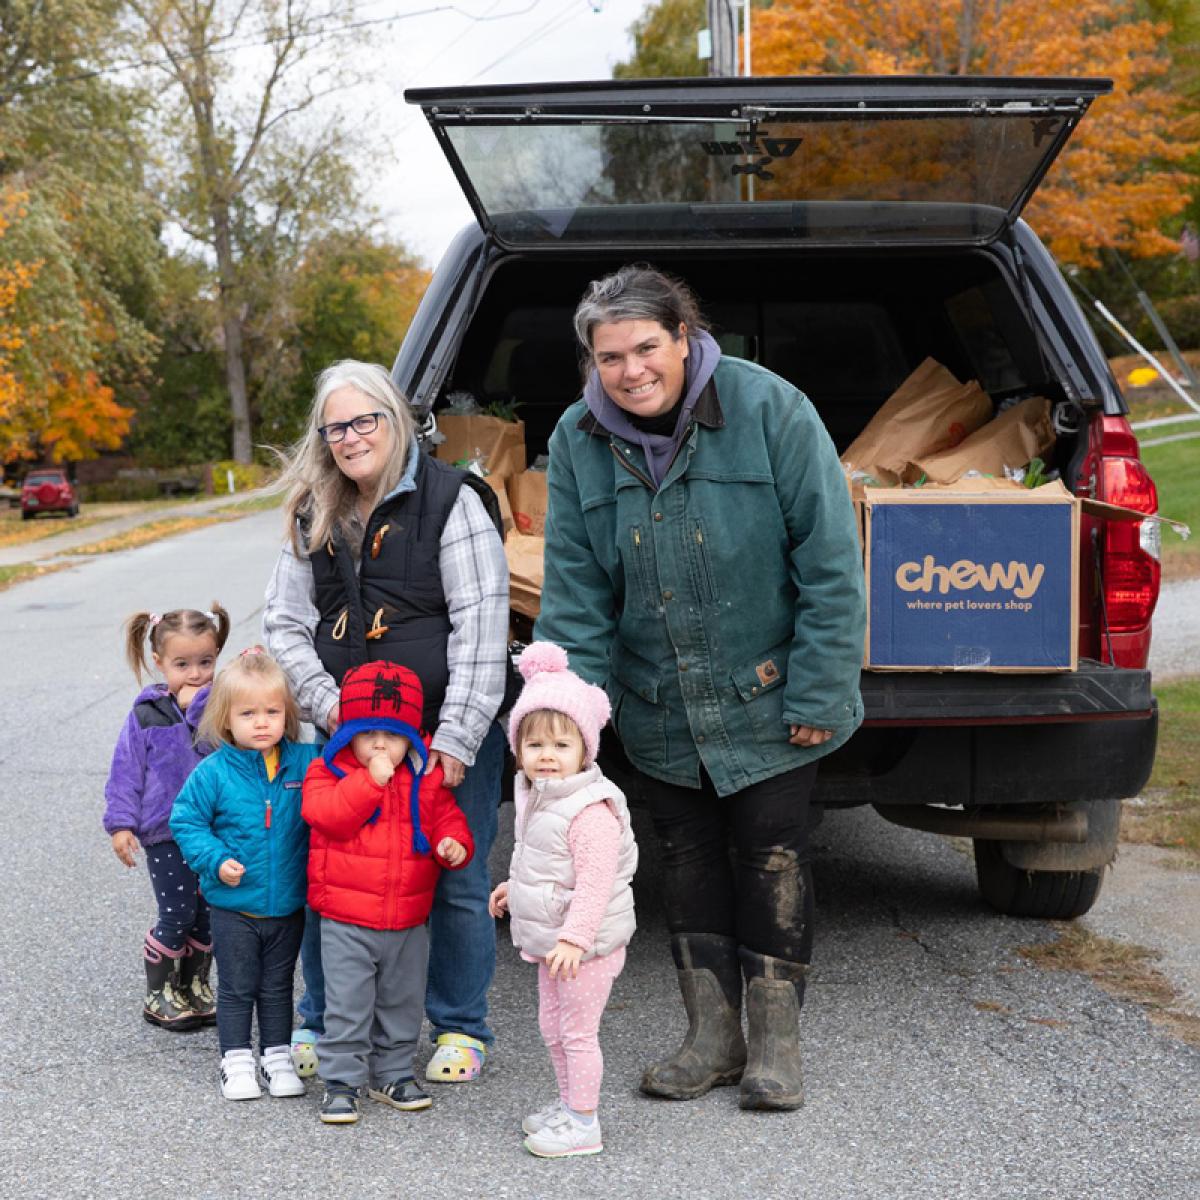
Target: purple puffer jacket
155, 754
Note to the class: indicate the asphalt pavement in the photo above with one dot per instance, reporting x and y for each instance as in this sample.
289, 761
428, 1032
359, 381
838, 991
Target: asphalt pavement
939, 1062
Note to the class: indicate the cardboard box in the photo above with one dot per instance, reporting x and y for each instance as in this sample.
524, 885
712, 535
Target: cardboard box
529, 497
500, 445
978, 576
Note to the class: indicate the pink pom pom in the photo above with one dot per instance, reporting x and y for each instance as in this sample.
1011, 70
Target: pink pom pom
541, 656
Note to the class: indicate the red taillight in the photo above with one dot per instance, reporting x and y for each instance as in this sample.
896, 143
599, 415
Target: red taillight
1130, 567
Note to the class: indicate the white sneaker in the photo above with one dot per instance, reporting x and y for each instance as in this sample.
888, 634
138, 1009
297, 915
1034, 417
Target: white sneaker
280, 1075
537, 1120
239, 1080
563, 1136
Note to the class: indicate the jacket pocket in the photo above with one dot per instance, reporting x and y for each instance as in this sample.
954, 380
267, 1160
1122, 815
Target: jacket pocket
759, 684
702, 575
640, 560
638, 718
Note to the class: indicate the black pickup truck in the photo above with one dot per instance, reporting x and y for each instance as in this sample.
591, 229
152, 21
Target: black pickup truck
839, 231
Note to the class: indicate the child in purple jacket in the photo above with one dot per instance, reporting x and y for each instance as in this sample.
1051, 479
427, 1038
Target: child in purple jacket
155, 753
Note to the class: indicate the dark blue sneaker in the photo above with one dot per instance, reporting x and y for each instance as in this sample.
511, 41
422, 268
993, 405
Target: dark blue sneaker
404, 1094
339, 1105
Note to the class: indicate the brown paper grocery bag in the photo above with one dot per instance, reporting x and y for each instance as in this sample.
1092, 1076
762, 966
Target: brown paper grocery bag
528, 495
929, 412
525, 572
1011, 440
500, 444
506, 513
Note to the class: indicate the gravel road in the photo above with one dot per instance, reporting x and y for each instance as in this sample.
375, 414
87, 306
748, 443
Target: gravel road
939, 1062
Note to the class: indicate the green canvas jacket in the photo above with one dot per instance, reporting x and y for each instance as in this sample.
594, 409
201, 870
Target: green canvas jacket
727, 605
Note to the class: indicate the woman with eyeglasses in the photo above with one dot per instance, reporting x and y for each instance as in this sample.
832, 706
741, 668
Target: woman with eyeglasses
392, 555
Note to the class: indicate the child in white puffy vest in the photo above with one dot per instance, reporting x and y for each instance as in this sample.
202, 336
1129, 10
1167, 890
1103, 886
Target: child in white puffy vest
568, 892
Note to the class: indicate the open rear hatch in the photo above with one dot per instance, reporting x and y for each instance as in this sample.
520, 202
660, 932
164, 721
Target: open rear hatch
838, 161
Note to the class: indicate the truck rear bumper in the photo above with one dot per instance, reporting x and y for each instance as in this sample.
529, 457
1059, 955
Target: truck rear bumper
997, 739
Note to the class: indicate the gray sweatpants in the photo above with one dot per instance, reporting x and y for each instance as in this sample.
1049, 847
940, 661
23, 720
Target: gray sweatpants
374, 1002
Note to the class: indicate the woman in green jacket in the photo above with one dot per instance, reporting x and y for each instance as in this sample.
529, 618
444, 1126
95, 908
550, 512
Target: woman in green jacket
702, 564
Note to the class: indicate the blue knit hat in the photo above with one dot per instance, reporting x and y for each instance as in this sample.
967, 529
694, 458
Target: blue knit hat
383, 695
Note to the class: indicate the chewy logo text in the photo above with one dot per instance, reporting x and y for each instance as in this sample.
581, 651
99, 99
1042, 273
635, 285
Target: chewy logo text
1018, 577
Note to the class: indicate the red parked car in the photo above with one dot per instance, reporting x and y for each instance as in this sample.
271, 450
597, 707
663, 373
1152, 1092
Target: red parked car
48, 490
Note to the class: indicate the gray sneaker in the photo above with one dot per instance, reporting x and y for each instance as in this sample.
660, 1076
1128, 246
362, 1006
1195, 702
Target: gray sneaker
537, 1120
563, 1136
339, 1105
404, 1094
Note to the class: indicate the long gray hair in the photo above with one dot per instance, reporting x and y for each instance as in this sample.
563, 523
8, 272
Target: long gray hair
638, 292
313, 482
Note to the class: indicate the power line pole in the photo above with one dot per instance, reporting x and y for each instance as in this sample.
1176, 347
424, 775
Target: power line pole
722, 24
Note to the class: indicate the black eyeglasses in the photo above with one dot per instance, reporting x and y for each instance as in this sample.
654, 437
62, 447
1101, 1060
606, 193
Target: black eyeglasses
335, 431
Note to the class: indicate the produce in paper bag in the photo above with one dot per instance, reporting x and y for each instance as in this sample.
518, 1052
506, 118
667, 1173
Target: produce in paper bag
1017, 435
929, 412
501, 444
528, 495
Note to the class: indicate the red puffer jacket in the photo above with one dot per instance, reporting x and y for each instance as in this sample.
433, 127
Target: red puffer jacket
364, 871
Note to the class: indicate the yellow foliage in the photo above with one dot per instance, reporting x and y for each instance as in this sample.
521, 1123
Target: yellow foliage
1120, 176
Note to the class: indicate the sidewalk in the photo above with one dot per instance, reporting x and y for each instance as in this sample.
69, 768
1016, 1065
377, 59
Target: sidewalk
60, 544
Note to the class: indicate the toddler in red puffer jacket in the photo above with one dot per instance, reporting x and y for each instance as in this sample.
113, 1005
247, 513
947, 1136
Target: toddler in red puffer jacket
382, 831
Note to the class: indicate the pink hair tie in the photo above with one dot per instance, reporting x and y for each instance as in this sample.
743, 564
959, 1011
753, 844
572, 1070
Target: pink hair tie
252, 650
154, 619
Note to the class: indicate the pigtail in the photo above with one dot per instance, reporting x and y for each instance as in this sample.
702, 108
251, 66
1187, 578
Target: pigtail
220, 619
136, 630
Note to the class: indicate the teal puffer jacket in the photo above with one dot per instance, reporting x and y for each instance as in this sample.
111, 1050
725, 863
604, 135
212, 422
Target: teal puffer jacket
229, 809
727, 605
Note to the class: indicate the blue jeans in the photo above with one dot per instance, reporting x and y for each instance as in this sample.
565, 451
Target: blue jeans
462, 936
256, 960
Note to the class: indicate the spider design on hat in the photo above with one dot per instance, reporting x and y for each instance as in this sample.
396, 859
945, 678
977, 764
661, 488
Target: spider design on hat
389, 689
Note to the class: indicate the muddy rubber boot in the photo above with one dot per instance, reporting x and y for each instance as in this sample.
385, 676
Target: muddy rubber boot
194, 968
774, 993
713, 1053
164, 1005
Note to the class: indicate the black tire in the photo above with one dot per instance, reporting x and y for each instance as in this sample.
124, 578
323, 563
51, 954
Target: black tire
73, 511
1016, 892
25, 515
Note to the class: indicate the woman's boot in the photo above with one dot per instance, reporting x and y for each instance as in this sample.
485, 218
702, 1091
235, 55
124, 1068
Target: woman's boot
194, 968
164, 1005
774, 994
713, 1053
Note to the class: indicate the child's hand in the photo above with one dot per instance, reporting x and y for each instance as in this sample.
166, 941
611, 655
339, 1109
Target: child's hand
186, 695
381, 769
455, 853
125, 847
498, 900
230, 872
563, 961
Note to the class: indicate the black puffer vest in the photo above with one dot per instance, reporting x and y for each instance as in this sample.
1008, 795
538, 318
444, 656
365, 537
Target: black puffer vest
394, 608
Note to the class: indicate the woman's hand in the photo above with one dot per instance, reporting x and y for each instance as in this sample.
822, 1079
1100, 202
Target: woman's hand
230, 872
125, 846
451, 851
806, 735
452, 768
498, 900
563, 961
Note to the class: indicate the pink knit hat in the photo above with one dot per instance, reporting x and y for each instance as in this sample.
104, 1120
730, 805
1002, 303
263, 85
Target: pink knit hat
548, 684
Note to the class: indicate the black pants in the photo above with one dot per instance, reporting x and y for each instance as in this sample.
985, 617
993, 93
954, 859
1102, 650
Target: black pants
256, 961
182, 911
761, 894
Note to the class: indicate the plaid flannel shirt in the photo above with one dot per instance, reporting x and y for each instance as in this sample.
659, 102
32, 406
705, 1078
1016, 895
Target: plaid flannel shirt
475, 581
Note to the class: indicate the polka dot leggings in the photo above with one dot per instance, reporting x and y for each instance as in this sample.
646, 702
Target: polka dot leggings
569, 1012
182, 911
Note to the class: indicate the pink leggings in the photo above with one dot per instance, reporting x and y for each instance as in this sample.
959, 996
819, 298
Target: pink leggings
569, 1012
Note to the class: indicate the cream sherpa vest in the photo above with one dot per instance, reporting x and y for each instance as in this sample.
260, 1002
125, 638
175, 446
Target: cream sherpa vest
541, 876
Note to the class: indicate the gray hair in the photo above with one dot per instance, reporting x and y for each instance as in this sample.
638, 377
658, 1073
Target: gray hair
315, 485
637, 292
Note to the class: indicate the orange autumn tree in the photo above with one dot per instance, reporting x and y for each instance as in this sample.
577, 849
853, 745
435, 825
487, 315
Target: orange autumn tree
1121, 175
16, 276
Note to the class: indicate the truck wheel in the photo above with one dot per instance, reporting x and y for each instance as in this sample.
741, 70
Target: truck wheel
1017, 892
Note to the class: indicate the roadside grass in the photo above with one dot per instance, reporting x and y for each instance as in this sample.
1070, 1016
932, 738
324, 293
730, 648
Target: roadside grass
1175, 469
143, 535
20, 532
21, 571
1167, 813
259, 502
1122, 969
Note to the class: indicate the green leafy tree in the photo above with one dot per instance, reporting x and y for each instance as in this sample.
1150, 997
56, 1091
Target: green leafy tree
665, 43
